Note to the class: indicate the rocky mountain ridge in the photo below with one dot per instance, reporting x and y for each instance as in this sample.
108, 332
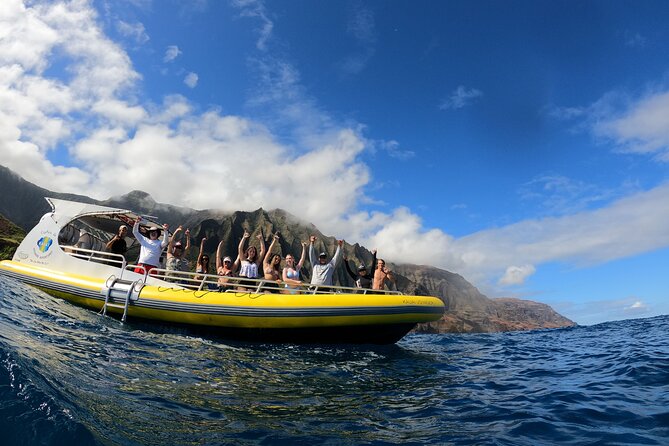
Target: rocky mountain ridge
468, 310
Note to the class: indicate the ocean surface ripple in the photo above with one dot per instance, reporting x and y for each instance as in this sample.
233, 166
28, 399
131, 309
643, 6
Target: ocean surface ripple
70, 376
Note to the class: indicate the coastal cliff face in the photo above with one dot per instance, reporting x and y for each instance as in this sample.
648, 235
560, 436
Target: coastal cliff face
10, 238
467, 310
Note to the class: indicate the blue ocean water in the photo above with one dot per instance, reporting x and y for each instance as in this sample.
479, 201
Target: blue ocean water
69, 376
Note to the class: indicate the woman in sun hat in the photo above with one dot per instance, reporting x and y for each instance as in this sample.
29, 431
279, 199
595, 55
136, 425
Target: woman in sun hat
150, 248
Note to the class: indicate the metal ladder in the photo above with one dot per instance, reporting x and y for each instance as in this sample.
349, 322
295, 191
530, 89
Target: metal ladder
126, 290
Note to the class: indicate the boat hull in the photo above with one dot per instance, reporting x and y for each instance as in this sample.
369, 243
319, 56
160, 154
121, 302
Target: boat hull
321, 318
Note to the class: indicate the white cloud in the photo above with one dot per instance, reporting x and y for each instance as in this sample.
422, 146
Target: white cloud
256, 9
191, 79
461, 97
118, 145
171, 53
560, 195
611, 310
393, 149
516, 275
642, 129
37, 112
629, 226
134, 31
25, 39
637, 306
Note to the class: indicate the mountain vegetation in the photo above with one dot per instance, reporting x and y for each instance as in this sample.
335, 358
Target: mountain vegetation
10, 238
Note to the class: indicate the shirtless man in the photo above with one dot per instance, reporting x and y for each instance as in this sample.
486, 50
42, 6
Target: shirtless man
381, 275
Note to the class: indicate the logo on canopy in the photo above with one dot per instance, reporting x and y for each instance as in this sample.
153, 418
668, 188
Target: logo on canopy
44, 244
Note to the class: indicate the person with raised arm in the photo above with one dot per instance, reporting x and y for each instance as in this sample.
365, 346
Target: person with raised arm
291, 272
118, 245
177, 259
225, 268
150, 248
322, 270
382, 275
363, 279
271, 267
202, 263
250, 260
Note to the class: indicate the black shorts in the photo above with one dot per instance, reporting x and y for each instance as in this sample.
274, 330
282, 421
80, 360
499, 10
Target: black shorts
249, 285
272, 287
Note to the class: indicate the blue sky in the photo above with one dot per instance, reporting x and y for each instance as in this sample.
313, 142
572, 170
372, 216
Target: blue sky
522, 144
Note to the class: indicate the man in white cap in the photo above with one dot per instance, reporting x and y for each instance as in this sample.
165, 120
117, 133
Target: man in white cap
322, 270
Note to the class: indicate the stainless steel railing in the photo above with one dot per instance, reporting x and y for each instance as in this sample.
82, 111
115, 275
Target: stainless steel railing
213, 282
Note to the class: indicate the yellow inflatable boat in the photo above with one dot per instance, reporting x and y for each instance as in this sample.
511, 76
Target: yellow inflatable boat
65, 256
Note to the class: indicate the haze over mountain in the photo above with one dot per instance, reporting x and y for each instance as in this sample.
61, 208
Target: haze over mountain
468, 310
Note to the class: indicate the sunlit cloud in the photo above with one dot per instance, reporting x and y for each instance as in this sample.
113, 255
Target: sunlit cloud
516, 275
637, 307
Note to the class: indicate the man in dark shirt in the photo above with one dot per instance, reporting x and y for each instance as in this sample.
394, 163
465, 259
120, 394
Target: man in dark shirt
118, 245
364, 278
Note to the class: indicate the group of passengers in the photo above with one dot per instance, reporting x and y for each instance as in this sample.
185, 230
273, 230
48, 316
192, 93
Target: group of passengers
248, 263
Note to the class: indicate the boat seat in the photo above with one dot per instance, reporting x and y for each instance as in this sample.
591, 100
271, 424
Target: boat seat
69, 235
89, 241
